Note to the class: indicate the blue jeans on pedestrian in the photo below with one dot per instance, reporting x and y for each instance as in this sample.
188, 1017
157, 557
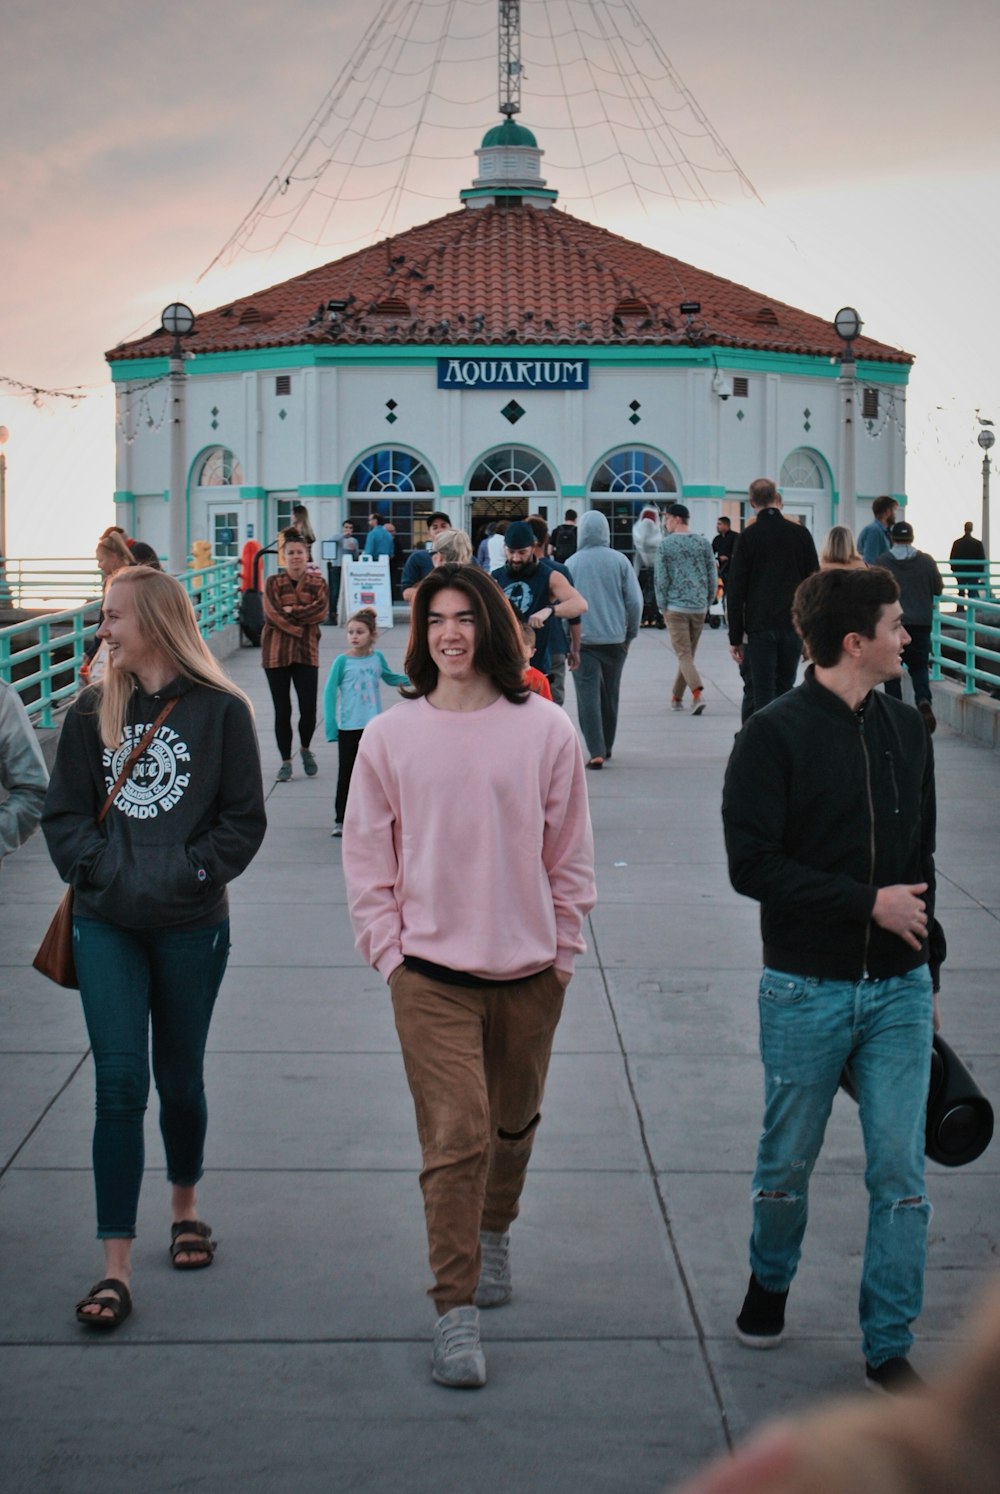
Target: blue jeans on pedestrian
598, 678
809, 1030
131, 980
917, 658
774, 655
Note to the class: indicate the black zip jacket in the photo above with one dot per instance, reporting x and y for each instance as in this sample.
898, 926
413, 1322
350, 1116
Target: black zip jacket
189, 818
822, 806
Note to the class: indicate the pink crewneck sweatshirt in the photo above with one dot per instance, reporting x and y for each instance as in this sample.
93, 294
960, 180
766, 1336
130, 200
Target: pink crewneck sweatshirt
467, 840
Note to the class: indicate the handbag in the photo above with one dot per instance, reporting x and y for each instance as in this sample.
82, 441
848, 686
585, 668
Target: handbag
54, 958
959, 1116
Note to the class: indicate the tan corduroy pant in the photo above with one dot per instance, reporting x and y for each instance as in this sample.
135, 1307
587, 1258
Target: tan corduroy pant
476, 1061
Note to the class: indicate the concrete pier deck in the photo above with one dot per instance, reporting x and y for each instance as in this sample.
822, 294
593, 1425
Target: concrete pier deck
300, 1361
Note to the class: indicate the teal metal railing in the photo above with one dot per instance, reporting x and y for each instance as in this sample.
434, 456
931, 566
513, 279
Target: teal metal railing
37, 585
40, 657
965, 634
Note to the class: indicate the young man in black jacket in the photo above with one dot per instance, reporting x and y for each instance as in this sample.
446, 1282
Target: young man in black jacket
829, 818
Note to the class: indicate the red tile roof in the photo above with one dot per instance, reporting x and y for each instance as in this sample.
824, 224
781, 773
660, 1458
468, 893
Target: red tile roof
516, 275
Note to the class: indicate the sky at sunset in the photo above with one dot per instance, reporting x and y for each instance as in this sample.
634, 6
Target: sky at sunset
137, 136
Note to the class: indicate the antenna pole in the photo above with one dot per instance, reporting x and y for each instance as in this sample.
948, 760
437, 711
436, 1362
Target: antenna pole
510, 58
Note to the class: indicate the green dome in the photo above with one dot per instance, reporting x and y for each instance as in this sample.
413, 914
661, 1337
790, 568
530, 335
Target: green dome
509, 133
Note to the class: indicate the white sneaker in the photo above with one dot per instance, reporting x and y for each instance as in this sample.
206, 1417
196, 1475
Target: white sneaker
494, 1287
698, 704
458, 1357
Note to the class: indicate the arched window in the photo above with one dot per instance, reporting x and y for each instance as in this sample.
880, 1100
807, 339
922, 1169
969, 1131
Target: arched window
511, 469
390, 471
800, 469
624, 484
633, 470
220, 469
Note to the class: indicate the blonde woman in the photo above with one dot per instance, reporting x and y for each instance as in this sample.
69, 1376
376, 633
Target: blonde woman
112, 555
839, 552
171, 742
451, 547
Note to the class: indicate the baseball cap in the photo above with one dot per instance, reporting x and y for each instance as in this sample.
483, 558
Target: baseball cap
902, 533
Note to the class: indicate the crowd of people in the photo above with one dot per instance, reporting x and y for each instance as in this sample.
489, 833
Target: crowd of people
156, 803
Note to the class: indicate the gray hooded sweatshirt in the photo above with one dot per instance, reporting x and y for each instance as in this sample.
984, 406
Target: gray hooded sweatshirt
607, 581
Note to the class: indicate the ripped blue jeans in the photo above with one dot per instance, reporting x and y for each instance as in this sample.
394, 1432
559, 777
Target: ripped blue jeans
132, 980
809, 1029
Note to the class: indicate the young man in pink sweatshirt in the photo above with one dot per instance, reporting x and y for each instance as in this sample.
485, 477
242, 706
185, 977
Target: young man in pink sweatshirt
475, 932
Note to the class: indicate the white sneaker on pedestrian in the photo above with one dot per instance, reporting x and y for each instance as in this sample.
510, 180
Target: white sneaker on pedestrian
494, 1287
697, 703
458, 1357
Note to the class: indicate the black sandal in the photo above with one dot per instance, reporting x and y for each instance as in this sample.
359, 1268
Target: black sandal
203, 1247
118, 1311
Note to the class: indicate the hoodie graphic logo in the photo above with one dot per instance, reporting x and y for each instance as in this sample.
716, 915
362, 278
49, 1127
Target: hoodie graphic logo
519, 594
157, 781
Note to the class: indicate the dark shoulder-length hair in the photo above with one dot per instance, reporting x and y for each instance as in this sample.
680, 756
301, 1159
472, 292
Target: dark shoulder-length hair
499, 650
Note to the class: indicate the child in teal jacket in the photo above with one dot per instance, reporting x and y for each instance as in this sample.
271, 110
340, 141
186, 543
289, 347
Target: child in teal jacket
356, 676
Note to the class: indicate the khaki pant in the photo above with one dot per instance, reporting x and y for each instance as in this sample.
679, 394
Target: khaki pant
685, 630
476, 1061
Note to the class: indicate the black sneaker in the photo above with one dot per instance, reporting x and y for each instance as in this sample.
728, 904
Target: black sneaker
761, 1323
894, 1376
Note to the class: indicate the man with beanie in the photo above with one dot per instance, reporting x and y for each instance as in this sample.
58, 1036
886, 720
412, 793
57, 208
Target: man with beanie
535, 589
613, 595
919, 582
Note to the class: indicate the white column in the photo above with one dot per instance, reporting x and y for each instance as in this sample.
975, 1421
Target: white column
177, 545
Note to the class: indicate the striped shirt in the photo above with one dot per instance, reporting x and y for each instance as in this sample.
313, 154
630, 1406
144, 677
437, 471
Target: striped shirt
292, 615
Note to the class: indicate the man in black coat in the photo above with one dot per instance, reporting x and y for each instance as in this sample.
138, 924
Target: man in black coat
773, 555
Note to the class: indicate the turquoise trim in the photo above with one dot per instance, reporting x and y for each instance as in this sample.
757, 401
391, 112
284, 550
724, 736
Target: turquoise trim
705, 490
452, 490
321, 490
573, 490
124, 497
743, 360
533, 190
251, 494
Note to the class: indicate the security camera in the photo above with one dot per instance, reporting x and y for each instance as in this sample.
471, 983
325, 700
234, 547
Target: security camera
722, 386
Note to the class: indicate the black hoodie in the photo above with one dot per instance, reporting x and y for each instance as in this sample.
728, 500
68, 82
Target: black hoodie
189, 818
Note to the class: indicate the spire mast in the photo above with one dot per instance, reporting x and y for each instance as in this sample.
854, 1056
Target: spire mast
509, 57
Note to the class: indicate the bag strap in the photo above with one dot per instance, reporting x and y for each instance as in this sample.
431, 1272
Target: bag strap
135, 754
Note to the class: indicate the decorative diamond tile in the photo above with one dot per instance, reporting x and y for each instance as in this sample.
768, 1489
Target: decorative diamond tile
282, 414
390, 404
214, 411
740, 415
512, 412
806, 426
635, 405
634, 419
391, 417
215, 425
807, 413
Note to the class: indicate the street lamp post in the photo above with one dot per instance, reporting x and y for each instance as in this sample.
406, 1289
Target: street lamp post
177, 321
986, 439
847, 325
5, 596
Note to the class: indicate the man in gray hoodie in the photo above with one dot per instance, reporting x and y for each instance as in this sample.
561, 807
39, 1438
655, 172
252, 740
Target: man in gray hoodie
611, 588
919, 582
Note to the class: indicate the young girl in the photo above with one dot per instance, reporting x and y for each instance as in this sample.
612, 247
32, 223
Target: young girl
356, 676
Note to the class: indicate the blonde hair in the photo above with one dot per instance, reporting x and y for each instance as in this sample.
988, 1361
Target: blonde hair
839, 547
112, 543
453, 545
166, 620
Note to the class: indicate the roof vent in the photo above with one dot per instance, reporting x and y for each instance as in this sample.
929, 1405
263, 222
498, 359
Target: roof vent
767, 316
391, 306
249, 315
631, 306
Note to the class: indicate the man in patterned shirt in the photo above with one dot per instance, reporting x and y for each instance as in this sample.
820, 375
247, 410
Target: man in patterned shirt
685, 577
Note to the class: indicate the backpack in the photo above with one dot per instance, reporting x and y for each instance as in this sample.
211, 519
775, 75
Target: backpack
563, 539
